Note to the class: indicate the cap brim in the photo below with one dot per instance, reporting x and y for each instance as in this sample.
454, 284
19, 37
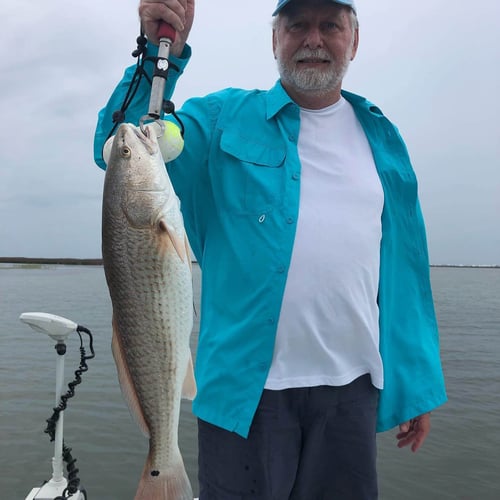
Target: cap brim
284, 4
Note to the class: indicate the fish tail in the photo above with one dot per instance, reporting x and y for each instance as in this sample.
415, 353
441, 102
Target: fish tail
170, 484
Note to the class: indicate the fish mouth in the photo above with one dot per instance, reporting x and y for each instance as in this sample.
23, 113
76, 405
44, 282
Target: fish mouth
147, 138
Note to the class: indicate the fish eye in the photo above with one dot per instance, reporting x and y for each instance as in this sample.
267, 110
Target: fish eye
125, 152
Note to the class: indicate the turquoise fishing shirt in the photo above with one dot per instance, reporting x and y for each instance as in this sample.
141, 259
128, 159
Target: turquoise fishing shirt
238, 179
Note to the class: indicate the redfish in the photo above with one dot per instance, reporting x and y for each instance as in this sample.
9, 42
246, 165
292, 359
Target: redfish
147, 265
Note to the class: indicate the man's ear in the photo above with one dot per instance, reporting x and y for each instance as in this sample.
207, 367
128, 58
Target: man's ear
355, 44
275, 42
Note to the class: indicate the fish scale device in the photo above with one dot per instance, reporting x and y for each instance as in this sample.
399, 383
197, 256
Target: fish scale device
58, 328
170, 136
166, 35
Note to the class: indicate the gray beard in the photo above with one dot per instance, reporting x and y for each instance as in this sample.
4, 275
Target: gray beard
313, 81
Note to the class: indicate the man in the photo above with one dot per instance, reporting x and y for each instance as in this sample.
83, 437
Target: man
317, 324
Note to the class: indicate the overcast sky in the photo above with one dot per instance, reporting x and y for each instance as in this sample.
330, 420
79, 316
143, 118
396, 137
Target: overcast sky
433, 67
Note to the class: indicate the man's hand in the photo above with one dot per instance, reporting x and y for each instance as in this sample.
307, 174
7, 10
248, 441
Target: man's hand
178, 13
414, 432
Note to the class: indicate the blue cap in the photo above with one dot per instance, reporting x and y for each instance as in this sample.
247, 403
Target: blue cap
283, 3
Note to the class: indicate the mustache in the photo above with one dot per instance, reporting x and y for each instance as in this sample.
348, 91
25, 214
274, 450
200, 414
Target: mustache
320, 54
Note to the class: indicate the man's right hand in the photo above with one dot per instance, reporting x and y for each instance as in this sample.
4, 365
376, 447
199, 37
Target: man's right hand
178, 13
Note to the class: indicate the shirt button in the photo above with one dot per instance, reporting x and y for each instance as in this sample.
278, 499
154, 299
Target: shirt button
270, 321
296, 176
281, 269
262, 218
290, 220
291, 138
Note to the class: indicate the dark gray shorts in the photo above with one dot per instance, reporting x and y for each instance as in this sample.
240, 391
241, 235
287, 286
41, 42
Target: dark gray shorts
315, 443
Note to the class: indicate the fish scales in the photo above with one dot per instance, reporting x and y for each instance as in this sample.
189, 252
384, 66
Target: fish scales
146, 262
152, 309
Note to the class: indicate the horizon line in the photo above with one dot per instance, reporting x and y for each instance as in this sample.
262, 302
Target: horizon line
98, 262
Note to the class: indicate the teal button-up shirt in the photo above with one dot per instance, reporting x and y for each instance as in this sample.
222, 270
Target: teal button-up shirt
238, 180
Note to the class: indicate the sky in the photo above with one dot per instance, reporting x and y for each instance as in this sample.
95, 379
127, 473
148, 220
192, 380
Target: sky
433, 67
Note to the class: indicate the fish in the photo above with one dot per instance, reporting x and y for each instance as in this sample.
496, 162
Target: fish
147, 265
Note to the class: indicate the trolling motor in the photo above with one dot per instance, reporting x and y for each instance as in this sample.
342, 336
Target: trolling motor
58, 329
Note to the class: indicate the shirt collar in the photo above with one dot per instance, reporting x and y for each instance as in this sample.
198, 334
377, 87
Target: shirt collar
276, 100
360, 103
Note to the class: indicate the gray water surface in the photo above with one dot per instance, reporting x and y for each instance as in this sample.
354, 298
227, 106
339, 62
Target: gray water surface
460, 460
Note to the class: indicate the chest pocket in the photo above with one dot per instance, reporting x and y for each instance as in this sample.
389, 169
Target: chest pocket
249, 174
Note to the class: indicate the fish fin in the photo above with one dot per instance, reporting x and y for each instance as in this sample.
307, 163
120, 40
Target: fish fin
127, 386
189, 385
177, 243
164, 484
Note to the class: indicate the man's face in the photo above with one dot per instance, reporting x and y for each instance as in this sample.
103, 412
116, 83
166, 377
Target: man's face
313, 43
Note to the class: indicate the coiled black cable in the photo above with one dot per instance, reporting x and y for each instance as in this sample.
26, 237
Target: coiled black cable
73, 479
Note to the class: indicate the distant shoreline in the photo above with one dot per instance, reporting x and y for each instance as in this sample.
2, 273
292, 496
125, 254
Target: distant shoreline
98, 262
473, 266
41, 260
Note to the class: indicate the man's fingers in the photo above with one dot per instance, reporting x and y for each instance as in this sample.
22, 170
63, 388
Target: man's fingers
405, 438
419, 441
152, 12
404, 427
414, 432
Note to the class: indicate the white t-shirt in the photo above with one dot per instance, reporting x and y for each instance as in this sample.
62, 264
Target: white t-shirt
328, 332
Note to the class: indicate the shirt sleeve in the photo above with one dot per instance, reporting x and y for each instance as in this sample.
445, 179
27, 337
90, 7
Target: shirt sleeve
189, 172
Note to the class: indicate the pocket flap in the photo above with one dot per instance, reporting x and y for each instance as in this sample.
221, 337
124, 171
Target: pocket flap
252, 150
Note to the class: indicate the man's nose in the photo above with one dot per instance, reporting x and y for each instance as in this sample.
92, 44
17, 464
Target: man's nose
313, 38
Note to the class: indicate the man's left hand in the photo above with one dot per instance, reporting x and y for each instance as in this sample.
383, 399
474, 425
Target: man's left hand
414, 432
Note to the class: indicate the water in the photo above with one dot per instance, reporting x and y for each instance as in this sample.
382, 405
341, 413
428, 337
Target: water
460, 459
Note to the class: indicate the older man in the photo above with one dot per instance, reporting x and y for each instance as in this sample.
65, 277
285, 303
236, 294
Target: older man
317, 326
